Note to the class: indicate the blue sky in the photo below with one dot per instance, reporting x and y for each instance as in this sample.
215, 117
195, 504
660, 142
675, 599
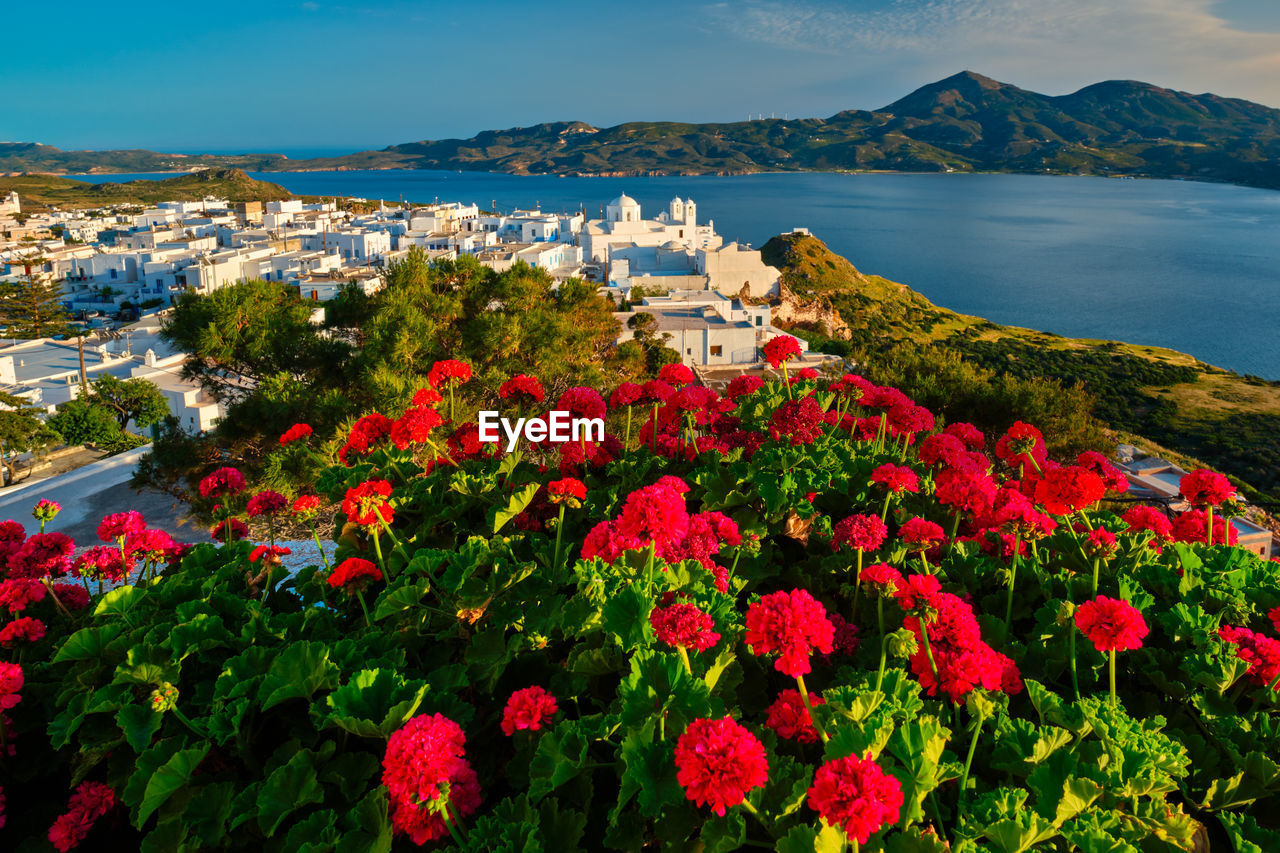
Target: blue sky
266, 75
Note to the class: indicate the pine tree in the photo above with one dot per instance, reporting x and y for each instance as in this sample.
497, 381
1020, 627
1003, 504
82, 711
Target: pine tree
32, 307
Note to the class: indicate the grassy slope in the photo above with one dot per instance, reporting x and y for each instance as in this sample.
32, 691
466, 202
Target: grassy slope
231, 184
1156, 396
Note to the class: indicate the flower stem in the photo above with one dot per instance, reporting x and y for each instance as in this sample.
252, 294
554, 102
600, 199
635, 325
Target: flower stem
368, 623
627, 445
1208, 528
58, 601
786, 380
1112, 667
884, 641
1013, 575
182, 718
804, 694
555, 556
316, 536
857, 585
1071, 640
928, 651
684, 657
377, 549
444, 813
1097, 565
884, 510
968, 762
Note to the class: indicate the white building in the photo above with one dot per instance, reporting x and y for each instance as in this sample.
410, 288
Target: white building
705, 327
624, 226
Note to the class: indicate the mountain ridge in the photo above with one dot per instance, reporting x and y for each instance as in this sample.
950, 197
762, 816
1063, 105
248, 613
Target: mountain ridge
965, 123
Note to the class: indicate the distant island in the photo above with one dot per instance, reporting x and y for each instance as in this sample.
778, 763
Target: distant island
965, 123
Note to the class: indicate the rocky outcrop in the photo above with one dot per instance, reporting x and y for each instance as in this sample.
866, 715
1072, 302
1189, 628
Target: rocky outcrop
817, 314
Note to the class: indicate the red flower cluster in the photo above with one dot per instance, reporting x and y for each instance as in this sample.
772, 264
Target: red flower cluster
266, 503
522, 388
1111, 624
779, 349
1192, 526
1101, 544
11, 681
297, 432
718, 762
1069, 489
792, 624
366, 503
24, 630
414, 426
354, 574
1261, 652
884, 577
45, 555
222, 482
90, 801
365, 435
896, 478
120, 525
920, 534
16, 594
859, 533
742, 386
234, 527
306, 506
530, 708
1206, 488
1149, 518
46, 510
626, 394
270, 553
568, 491
684, 625
964, 661
1274, 616
423, 759
856, 795
675, 374
1022, 447
798, 421
1112, 477
790, 719
449, 370
582, 402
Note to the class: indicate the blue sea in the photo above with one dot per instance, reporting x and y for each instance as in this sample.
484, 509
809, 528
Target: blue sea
1192, 266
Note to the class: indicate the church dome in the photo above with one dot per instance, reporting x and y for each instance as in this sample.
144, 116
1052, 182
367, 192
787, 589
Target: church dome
624, 200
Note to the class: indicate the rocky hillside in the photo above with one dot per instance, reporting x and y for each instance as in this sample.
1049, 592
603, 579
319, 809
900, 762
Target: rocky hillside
966, 122
51, 191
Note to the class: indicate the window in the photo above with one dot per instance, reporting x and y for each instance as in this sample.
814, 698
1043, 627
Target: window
689, 351
759, 320
716, 351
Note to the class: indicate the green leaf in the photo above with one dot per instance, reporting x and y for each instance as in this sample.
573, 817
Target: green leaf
400, 599
173, 775
374, 703
297, 673
120, 601
139, 724
516, 505
559, 757
368, 826
89, 643
723, 834
288, 789
626, 617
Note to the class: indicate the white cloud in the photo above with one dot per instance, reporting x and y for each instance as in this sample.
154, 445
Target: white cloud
1177, 43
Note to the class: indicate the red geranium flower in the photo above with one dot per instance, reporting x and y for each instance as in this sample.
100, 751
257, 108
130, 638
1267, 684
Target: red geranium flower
675, 374
46, 510
366, 503
234, 526
294, 433
17, 593
364, 434
43, 554
884, 577
684, 625
24, 630
920, 534
522, 386
968, 433
1206, 488
90, 801
415, 426
1274, 616
583, 402
896, 478
449, 370
1069, 489
799, 421
1022, 447
224, 481
353, 573
269, 553
11, 681
779, 349
856, 795
1112, 476
1140, 518
792, 624
118, 525
1101, 544
424, 759
306, 506
568, 491
790, 718
718, 762
426, 397
859, 532
1191, 526
530, 708
741, 386
267, 503
1261, 653
1111, 624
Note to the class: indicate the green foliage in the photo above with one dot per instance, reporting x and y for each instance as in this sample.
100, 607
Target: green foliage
81, 421
134, 400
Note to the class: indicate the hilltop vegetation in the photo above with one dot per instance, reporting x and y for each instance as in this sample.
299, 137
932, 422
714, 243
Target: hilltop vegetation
51, 191
966, 122
962, 365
